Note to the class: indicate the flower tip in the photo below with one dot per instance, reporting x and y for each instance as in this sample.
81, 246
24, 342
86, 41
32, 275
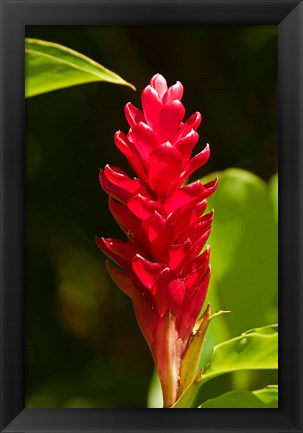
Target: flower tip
195, 119
173, 93
157, 80
117, 133
154, 77
137, 257
104, 242
207, 312
159, 83
210, 187
207, 148
99, 241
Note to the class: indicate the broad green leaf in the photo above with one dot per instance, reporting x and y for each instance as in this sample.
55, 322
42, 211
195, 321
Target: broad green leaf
244, 254
261, 399
50, 66
256, 349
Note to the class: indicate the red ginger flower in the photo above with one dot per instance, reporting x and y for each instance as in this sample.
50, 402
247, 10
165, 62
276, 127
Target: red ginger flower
161, 267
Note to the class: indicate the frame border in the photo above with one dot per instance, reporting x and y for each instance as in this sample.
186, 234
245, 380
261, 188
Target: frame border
14, 15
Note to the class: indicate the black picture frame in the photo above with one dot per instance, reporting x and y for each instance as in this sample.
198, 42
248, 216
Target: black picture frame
15, 15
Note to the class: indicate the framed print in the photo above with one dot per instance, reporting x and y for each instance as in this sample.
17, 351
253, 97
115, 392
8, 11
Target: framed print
114, 313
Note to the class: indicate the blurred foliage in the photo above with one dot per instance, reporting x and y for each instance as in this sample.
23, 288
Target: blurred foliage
244, 253
84, 348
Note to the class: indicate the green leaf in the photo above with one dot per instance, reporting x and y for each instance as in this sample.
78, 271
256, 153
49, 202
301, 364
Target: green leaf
50, 66
256, 349
268, 395
244, 254
261, 399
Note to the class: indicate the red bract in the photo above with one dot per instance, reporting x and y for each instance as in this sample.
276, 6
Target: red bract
160, 265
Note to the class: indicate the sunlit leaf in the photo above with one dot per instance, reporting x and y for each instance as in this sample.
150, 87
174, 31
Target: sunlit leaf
244, 254
261, 399
50, 66
256, 349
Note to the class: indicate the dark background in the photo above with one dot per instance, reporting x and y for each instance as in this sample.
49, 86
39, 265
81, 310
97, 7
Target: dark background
84, 348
